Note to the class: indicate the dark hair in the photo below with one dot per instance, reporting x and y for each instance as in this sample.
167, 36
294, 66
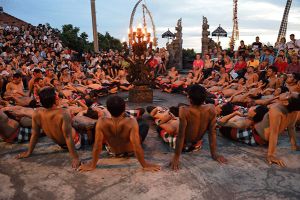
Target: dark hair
257, 97
93, 93
283, 89
227, 109
174, 110
274, 68
296, 76
208, 55
115, 105
10, 114
17, 75
37, 71
268, 50
47, 97
260, 110
197, 94
294, 104
37, 80
33, 104
88, 102
265, 81
252, 56
292, 35
281, 56
52, 81
91, 113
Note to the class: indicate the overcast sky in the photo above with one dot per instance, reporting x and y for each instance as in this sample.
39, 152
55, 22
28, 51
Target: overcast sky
256, 17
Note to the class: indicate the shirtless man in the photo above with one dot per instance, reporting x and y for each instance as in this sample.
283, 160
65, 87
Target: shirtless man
65, 77
49, 76
121, 133
292, 81
37, 73
16, 86
79, 76
56, 124
173, 72
194, 122
274, 82
251, 76
279, 118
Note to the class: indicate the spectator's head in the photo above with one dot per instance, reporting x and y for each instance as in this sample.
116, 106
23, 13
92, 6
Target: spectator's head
267, 52
242, 81
227, 59
257, 39
280, 90
255, 94
115, 105
54, 82
291, 100
174, 110
198, 57
250, 69
242, 57
283, 40
292, 36
252, 57
48, 97
34, 103
293, 78
17, 78
1, 67
37, 73
196, 95
207, 56
215, 51
263, 82
295, 60
258, 112
280, 58
272, 71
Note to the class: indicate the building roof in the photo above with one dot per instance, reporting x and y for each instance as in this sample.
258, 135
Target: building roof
219, 32
168, 34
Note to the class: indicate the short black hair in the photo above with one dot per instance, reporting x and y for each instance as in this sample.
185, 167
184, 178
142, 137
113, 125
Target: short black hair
294, 104
37, 71
260, 110
252, 56
274, 68
34, 104
17, 75
91, 113
174, 110
88, 102
37, 80
265, 81
52, 81
115, 105
47, 97
281, 56
227, 109
197, 94
284, 89
296, 76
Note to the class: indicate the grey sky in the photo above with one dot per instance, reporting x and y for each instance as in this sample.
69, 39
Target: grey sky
256, 17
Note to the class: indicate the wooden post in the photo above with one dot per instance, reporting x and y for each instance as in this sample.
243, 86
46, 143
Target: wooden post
95, 34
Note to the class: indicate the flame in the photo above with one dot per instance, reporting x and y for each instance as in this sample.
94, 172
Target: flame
140, 25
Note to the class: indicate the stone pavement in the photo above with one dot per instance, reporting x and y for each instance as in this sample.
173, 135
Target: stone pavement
47, 173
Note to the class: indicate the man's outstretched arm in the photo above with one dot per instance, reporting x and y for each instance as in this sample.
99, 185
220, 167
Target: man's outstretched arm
212, 137
275, 120
34, 137
96, 150
179, 140
67, 131
138, 150
292, 134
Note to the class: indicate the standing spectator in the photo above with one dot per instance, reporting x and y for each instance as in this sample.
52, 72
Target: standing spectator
230, 53
242, 48
293, 47
256, 45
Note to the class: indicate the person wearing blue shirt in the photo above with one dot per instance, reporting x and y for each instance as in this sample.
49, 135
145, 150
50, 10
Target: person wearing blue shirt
267, 56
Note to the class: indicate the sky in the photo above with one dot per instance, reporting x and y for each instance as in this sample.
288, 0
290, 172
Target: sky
255, 17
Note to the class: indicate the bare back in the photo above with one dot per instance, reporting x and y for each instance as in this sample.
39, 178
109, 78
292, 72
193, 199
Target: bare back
118, 133
197, 121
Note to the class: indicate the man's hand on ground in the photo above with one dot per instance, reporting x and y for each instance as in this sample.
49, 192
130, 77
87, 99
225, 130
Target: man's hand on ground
76, 163
219, 158
174, 165
151, 167
22, 155
86, 167
272, 159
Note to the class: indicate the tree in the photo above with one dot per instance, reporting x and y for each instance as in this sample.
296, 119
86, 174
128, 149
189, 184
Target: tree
107, 42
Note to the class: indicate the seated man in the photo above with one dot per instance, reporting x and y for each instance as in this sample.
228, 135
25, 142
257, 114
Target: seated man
238, 126
194, 122
280, 117
56, 124
122, 135
16, 86
173, 72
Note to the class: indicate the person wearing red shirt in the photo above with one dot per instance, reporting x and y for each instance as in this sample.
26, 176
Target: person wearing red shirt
198, 62
280, 64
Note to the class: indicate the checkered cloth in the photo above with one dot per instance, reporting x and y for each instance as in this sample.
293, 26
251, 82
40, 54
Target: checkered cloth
128, 113
245, 136
122, 155
171, 141
81, 140
24, 135
241, 110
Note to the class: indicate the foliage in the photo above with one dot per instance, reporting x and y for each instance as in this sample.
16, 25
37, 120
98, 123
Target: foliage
107, 42
76, 41
190, 53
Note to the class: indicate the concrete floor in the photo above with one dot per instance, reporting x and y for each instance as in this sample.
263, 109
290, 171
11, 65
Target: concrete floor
47, 173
